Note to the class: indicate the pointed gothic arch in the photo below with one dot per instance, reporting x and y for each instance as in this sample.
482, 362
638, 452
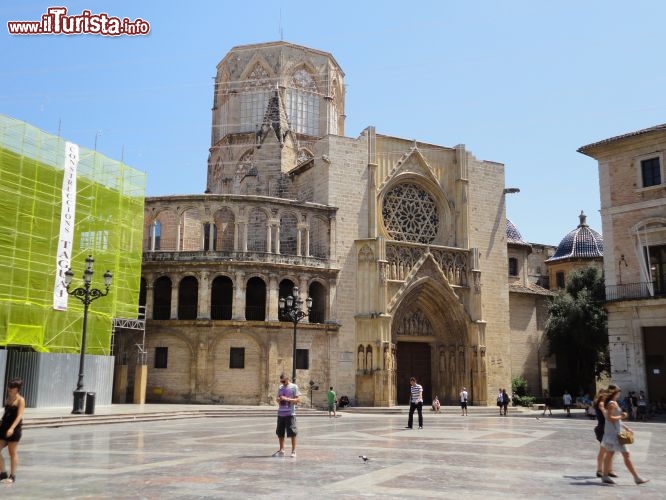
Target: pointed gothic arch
302, 101
432, 331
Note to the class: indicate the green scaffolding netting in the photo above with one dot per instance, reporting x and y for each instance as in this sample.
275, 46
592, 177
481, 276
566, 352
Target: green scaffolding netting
108, 226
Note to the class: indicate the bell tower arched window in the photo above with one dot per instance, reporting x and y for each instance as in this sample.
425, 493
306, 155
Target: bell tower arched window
254, 99
302, 103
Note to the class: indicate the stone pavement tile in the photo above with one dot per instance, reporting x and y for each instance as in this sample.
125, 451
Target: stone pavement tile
482, 457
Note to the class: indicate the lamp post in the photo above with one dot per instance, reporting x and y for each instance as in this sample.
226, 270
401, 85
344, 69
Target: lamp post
85, 294
313, 387
291, 308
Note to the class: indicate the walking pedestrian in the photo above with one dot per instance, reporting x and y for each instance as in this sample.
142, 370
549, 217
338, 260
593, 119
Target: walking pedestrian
567, 400
415, 403
600, 412
505, 401
633, 401
11, 428
613, 426
288, 397
330, 399
500, 400
463, 402
642, 406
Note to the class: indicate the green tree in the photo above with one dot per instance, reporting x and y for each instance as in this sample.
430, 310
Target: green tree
576, 332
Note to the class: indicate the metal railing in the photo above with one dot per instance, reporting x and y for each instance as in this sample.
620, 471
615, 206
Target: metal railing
635, 291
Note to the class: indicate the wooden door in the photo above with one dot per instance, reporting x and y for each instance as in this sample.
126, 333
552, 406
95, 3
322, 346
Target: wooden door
413, 361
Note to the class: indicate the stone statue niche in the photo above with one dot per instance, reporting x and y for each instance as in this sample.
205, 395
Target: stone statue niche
360, 358
368, 358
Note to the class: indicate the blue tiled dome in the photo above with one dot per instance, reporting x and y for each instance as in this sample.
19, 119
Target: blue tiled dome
513, 235
581, 243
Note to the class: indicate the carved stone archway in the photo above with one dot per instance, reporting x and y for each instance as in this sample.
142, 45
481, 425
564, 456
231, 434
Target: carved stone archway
428, 311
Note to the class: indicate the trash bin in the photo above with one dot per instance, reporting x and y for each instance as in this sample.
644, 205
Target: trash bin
90, 403
79, 402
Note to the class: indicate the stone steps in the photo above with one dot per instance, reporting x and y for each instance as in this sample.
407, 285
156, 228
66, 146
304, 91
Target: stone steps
446, 410
115, 418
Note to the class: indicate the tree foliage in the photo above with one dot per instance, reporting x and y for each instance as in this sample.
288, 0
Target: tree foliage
576, 331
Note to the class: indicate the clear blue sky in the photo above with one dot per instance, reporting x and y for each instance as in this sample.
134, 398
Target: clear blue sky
524, 83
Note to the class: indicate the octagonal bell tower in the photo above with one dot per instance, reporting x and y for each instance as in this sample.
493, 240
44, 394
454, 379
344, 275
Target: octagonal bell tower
271, 102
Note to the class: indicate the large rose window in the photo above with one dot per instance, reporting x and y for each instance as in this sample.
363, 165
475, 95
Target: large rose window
410, 214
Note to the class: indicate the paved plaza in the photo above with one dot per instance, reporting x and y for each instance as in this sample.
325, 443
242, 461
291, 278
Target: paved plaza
480, 456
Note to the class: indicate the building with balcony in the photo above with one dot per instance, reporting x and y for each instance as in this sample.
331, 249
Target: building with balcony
632, 185
401, 245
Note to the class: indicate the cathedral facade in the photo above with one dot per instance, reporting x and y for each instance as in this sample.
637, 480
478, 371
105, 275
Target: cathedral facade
400, 244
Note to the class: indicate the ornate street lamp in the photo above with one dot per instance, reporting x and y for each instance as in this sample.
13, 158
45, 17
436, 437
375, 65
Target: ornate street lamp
85, 294
291, 309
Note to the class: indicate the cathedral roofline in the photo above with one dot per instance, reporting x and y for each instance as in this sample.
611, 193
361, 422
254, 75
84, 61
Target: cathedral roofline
280, 43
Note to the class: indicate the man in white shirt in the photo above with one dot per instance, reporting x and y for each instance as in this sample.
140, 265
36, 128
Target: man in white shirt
463, 402
415, 403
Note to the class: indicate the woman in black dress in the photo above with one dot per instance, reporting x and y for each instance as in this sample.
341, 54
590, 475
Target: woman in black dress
10, 428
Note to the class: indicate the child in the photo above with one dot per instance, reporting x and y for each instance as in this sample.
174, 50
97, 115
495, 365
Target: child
435, 404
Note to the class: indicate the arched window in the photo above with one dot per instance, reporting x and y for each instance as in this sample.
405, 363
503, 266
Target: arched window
288, 234
286, 289
188, 294
225, 225
255, 300
319, 238
162, 298
318, 294
221, 298
254, 99
210, 243
155, 233
164, 230
256, 231
559, 279
302, 103
190, 230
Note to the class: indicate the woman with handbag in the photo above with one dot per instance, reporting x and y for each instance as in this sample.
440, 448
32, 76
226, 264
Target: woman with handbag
610, 441
598, 405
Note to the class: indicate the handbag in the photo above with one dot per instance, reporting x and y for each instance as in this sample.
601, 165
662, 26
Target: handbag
625, 436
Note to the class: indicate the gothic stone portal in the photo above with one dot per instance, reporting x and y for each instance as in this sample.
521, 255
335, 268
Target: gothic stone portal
432, 348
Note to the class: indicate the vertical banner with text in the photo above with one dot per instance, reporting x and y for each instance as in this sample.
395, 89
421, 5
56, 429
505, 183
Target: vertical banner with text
66, 237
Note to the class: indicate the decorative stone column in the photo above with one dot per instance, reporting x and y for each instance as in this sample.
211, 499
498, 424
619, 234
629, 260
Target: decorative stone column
238, 309
269, 238
203, 299
150, 298
174, 298
273, 292
299, 240
303, 292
